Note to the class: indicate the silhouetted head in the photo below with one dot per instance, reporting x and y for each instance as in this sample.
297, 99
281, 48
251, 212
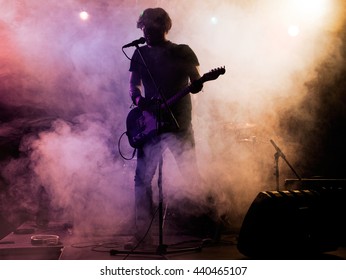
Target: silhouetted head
155, 24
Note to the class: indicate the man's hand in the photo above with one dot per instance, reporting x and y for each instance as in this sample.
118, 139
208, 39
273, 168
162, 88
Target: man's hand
196, 86
142, 103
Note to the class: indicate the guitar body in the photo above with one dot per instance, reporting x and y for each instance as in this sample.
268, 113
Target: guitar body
141, 126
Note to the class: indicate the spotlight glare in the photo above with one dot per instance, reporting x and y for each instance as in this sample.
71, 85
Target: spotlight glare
293, 30
84, 15
214, 20
310, 9
314, 8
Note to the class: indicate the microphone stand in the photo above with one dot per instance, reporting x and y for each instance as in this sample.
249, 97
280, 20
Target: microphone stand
162, 248
277, 155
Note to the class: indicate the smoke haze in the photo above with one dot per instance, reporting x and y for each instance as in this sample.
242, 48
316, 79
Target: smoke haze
70, 77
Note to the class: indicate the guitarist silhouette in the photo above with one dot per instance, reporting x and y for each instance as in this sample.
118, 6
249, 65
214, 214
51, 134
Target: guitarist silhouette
163, 74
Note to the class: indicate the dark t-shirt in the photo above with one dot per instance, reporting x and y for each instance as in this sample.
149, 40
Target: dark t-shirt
171, 66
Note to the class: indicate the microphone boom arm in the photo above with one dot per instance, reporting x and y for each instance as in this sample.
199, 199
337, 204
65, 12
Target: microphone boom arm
278, 154
135, 43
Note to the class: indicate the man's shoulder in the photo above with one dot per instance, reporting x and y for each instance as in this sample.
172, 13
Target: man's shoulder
180, 49
178, 46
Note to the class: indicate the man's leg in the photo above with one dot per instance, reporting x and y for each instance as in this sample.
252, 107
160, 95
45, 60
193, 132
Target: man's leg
147, 162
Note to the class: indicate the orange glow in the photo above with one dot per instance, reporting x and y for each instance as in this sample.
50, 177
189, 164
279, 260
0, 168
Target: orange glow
312, 8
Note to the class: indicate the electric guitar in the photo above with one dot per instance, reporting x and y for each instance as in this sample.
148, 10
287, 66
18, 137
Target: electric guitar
141, 125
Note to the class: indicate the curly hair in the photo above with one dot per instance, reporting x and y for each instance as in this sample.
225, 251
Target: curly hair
155, 17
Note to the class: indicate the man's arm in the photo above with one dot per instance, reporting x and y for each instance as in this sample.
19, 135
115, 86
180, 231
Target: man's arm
196, 86
135, 87
136, 91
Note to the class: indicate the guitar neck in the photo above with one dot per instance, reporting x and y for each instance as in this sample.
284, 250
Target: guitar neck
212, 75
177, 96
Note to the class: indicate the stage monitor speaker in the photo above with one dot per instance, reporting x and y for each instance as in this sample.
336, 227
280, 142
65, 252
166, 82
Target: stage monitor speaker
293, 224
314, 184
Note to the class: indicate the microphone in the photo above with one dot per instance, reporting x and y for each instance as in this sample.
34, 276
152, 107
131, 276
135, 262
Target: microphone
135, 43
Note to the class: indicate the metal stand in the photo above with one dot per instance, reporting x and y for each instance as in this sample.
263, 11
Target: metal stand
162, 248
277, 155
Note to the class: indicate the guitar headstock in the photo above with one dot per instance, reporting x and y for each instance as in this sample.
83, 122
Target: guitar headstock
213, 74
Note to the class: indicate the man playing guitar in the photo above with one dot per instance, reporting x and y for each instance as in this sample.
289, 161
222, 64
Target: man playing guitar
172, 67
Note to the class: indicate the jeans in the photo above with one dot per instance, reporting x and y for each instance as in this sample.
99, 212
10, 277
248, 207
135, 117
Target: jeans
182, 146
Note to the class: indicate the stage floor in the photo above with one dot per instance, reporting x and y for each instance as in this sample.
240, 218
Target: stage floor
18, 245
